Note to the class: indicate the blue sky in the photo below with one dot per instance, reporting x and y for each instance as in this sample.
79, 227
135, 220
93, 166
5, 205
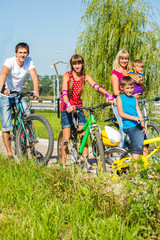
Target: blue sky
50, 27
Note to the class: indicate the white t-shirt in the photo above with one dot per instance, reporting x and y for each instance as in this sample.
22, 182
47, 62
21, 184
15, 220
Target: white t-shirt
16, 74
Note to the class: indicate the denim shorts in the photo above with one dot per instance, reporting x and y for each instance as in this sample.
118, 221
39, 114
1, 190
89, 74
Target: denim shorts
67, 119
137, 137
5, 111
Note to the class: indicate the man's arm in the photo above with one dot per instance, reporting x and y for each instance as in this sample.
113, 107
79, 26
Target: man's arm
35, 83
3, 76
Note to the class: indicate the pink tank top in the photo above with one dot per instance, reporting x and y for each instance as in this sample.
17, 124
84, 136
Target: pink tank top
74, 97
119, 75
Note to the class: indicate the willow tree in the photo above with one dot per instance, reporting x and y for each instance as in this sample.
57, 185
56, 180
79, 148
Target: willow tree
111, 25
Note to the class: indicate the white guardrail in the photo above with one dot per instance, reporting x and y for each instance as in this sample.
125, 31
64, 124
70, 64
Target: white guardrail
43, 105
48, 105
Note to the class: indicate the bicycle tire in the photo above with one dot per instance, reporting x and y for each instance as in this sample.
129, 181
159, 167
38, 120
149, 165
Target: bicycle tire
41, 134
153, 132
98, 149
59, 145
114, 154
72, 153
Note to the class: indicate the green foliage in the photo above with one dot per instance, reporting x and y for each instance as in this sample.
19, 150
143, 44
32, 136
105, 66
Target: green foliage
46, 82
111, 25
48, 203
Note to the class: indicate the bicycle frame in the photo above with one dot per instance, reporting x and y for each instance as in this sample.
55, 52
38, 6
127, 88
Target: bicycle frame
89, 127
19, 113
119, 164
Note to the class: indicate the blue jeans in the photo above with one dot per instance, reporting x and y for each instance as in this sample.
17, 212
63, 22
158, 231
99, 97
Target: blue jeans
137, 137
5, 111
67, 120
119, 120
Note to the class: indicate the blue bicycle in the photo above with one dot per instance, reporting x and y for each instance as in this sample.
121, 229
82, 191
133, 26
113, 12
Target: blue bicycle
32, 135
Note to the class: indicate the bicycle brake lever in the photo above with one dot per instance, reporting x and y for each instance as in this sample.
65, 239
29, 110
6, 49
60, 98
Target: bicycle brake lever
3, 88
40, 90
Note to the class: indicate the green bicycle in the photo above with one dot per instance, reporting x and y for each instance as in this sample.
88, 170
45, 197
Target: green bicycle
75, 146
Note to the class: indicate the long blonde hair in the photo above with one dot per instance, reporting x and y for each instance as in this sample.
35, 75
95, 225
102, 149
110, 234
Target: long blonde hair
77, 58
121, 54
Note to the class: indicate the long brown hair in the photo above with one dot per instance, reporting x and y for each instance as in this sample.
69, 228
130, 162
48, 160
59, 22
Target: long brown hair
77, 58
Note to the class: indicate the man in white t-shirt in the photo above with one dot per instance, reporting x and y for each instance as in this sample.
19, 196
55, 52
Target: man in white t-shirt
12, 75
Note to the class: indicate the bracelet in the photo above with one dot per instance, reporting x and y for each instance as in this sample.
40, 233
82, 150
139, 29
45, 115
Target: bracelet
61, 96
94, 85
68, 104
100, 86
64, 91
109, 96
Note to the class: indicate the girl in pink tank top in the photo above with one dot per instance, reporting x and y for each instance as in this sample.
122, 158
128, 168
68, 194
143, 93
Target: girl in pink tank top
72, 88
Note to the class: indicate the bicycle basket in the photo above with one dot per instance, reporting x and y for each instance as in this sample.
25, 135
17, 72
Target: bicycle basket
110, 136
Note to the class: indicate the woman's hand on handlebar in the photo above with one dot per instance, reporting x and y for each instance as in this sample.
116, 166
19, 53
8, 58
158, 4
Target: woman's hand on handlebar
70, 109
112, 102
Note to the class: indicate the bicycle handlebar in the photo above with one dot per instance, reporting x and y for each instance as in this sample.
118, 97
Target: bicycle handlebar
103, 105
30, 93
151, 99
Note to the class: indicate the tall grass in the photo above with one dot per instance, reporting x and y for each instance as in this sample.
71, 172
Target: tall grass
48, 203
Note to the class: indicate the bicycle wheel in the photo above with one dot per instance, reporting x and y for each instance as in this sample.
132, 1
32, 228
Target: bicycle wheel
97, 150
59, 145
72, 146
153, 132
114, 154
41, 142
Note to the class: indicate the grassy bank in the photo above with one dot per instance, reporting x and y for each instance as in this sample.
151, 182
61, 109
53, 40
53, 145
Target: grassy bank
47, 203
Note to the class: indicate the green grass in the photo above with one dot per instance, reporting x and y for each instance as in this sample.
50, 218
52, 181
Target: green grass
53, 119
47, 203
